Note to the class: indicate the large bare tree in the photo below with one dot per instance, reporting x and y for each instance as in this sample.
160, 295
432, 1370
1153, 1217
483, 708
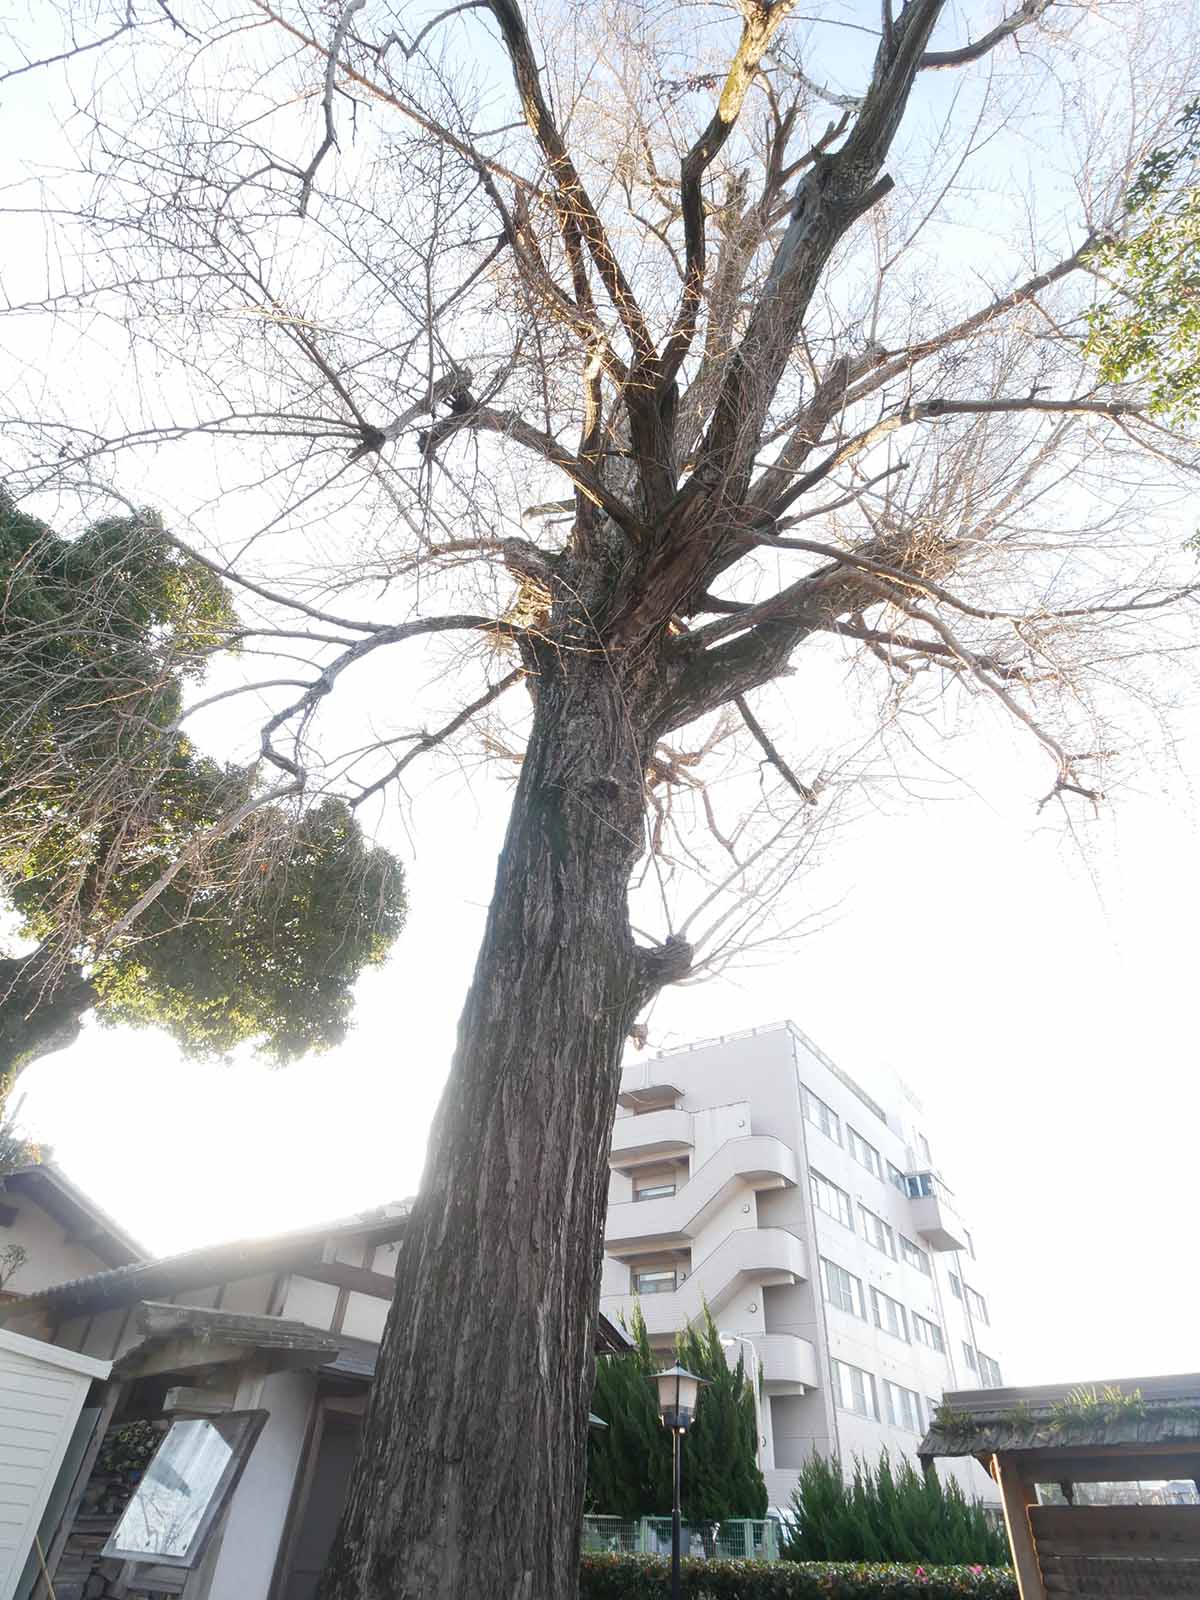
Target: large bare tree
629, 361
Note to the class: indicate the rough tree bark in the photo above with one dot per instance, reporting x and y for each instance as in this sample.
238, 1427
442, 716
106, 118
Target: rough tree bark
42, 1007
497, 1282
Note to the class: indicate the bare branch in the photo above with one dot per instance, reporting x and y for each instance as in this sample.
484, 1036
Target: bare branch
331, 69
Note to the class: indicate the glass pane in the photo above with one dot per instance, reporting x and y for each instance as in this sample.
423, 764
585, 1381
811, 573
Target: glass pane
177, 1499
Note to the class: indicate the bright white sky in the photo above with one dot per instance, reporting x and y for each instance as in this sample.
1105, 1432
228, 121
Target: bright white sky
1036, 992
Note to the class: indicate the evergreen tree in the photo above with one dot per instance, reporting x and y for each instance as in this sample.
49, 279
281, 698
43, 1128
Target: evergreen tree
629, 1462
261, 933
721, 1475
887, 1513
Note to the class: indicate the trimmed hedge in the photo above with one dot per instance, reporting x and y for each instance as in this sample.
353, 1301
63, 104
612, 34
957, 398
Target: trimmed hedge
605, 1577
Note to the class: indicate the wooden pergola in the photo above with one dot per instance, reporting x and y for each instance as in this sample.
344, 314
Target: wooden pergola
1133, 1430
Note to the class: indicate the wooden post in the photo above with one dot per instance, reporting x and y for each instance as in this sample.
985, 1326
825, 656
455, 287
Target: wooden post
1017, 1496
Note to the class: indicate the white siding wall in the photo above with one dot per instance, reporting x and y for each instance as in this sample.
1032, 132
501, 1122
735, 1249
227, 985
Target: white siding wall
40, 1401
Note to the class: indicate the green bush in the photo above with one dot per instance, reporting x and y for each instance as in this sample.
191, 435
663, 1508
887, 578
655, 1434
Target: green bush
887, 1513
649, 1578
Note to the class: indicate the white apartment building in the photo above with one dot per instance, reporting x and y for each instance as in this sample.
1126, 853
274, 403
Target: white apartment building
751, 1173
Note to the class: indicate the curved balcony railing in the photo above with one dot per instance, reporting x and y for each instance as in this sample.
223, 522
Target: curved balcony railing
759, 1256
757, 1162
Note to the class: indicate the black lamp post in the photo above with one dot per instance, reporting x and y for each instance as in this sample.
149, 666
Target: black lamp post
678, 1392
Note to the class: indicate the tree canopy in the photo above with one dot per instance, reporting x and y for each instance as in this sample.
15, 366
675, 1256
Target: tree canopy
256, 931
1149, 331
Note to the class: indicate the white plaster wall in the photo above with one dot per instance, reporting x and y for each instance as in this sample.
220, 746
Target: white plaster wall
243, 1564
250, 1295
51, 1258
310, 1302
365, 1317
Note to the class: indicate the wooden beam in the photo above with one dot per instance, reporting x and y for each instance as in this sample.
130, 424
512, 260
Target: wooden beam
343, 1276
1017, 1495
1140, 1467
1164, 1532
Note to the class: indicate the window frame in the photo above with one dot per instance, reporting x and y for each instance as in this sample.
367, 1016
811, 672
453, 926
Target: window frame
976, 1304
655, 1272
655, 1191
856, 1289
816, 1180
885, 1231
987, 1366
938, 1343
809, 1099
897, 1179
855, 1143
912, 1406
970, 1354
869, 1385
895, 1307
919, 1259
240, 1449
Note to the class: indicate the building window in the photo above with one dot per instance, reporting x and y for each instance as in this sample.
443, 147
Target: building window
820, 1115
915, 1256
890, 1315
956, 1286
658, 1190
904, 1407
855, 1390
970, 1244
865, 1154
877, 1232
977, 1304
989, 1372
834, 1202
654, 1280
843, 1289
969, 1353
897, 1179
928, 1333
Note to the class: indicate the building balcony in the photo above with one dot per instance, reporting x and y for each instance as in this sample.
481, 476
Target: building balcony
761, 1257
653, 1136
934, 1214
789, 1363
647, 1086
640, 1227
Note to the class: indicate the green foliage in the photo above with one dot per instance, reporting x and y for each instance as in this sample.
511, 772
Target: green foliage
887, 1513
1150, 332
1097, 1405
649, 1578
261, 935
629, 1462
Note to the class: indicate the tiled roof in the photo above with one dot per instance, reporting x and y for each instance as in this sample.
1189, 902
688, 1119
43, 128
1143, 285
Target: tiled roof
211, 1264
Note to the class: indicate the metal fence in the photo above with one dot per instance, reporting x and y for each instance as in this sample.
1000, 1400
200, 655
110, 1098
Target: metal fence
740, 1540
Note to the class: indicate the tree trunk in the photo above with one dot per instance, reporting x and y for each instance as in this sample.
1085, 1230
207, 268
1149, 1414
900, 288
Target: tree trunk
470, 1478
42, 1006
